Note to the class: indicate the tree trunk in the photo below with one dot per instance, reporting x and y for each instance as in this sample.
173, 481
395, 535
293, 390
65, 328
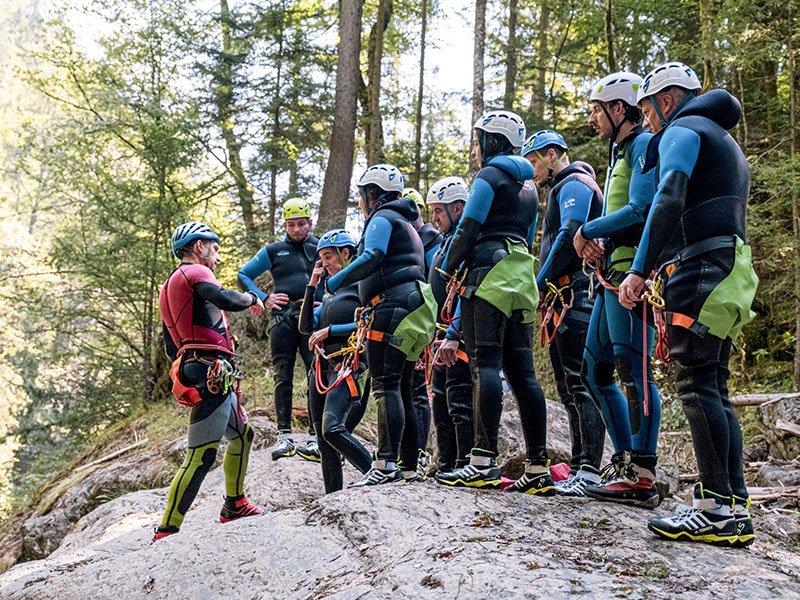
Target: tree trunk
478, 69
744, 141
707, 34
539, 90
273, 201
374, 133
420, 98
336, 186
795, 204
226, 122
610, 45
511, 56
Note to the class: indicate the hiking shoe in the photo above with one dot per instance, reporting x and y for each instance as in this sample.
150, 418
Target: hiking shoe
309, 451
381, 472
424, 462
709, 520
744, 523
237, 508
628, 480
482, 472
536, 481
284, 447
574, 486
411, 476
159, 533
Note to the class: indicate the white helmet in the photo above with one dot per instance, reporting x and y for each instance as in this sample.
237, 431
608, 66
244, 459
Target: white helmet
666, 76
447, 190
505, 123
617, 86
387, 177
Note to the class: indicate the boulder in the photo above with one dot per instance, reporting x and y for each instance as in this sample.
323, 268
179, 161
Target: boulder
417, 540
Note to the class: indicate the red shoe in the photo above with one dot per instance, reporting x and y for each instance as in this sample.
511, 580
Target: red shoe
162, 532
243, 508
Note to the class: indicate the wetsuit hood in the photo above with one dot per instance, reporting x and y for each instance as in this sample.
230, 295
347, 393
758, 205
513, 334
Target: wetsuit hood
405, 207
516, 166
577, 166
717, 105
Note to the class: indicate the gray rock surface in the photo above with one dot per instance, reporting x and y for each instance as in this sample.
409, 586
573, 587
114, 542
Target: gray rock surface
781, 420
401, 541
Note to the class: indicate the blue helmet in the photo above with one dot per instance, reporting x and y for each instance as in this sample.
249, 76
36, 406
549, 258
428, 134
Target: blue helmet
336, 238
189, 232
543, 139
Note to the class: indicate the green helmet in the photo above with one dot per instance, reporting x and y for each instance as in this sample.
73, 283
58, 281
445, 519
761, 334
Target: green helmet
414, 195
296, 208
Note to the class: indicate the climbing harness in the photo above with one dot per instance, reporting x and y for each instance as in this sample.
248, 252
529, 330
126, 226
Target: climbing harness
350, 354
547, 310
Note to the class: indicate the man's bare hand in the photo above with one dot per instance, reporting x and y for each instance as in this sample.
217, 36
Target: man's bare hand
276, 301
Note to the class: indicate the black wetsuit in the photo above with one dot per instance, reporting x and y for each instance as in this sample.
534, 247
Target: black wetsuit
336, 413
698, 212
451, 386
499, 215
573, 200
431, 240
290, 263
388, 270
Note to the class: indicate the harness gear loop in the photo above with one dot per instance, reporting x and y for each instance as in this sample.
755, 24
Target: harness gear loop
548, 313
351, 353
455, 286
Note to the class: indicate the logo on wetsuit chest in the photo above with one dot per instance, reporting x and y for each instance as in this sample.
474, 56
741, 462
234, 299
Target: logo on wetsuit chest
570, 202
284, 253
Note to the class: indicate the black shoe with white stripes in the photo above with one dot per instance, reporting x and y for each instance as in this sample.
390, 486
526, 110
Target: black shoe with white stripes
381, 472
710, 520
482, 472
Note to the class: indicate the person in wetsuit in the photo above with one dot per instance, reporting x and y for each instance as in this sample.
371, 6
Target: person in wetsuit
614, 341
431, 240
337, 411
451, 379
197, 339
290, 262
695, 237
390, 271
498, 304
573, 199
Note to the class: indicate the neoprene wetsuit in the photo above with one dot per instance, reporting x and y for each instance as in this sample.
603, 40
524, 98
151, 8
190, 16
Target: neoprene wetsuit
573, 200
390, 271
336, 413
191, 303
290, 263
492, 240
615, 333
696, 234
431, 240
451, 405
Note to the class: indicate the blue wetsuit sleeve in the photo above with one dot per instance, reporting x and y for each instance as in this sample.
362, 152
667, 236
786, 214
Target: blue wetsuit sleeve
678, 151
342, 328
376, 242
532, 232
255, 267
479, 202
454, 329
619, 225
429, 258
575, 202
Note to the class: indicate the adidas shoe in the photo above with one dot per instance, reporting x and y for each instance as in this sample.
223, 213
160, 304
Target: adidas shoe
574, 486
710, 520
381, 472
744, 523
238, 508
284, 447
309, 451
628, 479
481, 472
536, 481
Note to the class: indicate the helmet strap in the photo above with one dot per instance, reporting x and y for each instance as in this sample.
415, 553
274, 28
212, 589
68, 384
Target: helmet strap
614, 132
